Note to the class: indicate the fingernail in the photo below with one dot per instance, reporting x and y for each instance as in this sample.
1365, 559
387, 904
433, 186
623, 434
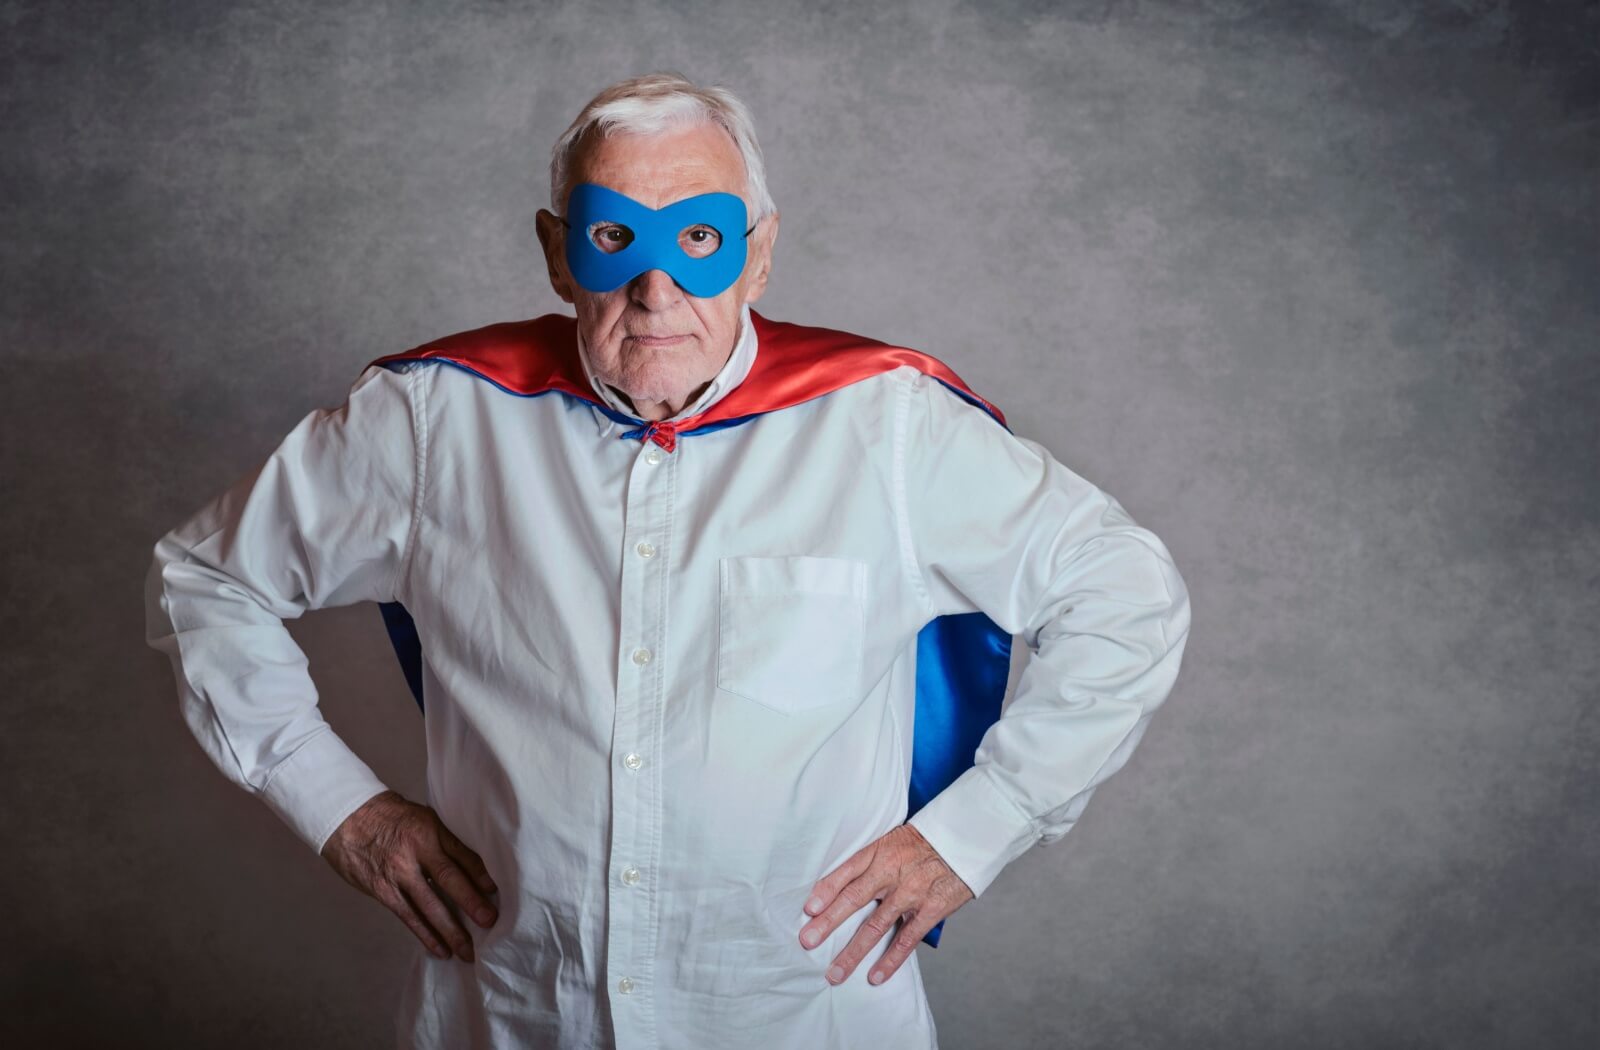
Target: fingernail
836, 974
441, 952
876, 977
485, 916
810, 938
814, 905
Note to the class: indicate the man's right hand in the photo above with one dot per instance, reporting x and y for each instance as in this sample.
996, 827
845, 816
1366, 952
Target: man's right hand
390, 848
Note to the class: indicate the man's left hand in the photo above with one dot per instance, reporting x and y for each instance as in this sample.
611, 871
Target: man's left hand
910, 878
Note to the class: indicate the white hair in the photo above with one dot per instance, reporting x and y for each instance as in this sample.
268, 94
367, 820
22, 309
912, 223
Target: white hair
655, 102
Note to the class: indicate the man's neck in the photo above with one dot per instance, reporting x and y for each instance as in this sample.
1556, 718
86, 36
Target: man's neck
651, 411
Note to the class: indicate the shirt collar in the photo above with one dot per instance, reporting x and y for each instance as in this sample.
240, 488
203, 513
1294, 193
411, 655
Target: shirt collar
731, 375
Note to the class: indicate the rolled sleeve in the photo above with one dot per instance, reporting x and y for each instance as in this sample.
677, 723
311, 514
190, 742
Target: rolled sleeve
995, 524
326, 520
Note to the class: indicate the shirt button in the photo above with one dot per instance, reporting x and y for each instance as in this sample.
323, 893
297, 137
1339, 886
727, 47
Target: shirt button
641, 656
630, 875
653, 456
646, 550
632, 760
625, 986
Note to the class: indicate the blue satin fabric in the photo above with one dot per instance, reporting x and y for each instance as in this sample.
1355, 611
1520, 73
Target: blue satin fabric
963, 663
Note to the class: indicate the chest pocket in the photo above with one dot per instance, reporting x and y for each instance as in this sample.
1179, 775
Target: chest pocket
790, 630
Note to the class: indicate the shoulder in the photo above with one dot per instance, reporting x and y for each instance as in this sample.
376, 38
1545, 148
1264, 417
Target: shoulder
519, 357
845, 355
549, 332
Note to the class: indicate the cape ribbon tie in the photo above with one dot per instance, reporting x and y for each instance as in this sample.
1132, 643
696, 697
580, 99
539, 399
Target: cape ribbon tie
662, 432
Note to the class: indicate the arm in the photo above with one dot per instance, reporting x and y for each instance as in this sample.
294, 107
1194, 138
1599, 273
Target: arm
329, 519
993, 523
326, 520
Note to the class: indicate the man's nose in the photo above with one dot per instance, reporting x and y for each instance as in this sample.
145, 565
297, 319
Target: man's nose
655, 290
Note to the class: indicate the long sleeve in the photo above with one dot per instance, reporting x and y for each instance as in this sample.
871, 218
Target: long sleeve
326, 520
992, 522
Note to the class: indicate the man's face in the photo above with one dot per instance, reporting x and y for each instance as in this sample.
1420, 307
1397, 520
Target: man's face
649, 338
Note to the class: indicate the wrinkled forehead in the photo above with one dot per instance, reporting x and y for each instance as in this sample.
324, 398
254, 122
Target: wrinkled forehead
661, 168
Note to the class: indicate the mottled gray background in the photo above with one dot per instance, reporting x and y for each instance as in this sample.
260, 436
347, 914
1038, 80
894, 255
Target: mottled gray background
1312, 289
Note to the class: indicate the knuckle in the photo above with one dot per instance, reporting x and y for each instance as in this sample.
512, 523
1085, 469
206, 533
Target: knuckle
899, 900
855, 895
430, 842
445, 871
386, 894
442, 917
459, 893
436, 912
875, 926
425, 900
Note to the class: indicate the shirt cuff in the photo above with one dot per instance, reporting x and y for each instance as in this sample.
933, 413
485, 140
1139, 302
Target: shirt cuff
975, 828
317, 787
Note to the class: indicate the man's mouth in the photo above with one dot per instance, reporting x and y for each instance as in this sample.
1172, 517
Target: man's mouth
657, 340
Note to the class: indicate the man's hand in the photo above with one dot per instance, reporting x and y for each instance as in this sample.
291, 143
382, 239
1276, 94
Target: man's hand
390, 848
903, 871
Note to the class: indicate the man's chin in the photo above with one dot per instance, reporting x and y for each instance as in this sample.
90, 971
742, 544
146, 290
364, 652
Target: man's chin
657, 384
654, 393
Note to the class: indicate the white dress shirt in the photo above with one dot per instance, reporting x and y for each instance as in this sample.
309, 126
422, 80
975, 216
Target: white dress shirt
667, 692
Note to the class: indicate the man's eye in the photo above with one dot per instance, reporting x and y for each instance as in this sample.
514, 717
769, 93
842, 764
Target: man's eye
699, 241
610, 236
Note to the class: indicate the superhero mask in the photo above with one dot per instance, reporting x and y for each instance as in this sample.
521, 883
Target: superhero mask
612, 238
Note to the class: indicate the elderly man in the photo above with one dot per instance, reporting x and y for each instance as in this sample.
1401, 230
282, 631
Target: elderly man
700, 607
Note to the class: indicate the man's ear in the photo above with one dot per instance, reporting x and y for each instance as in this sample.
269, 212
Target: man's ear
551, 233
765, 238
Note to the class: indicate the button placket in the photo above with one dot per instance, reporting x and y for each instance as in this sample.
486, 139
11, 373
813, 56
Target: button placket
632, 928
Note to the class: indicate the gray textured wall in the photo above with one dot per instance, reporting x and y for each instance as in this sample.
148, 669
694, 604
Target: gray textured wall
1312, 289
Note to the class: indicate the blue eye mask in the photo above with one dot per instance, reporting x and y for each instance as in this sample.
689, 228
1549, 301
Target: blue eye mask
642, 239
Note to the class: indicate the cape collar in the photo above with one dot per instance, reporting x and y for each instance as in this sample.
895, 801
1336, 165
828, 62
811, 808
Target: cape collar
796, 363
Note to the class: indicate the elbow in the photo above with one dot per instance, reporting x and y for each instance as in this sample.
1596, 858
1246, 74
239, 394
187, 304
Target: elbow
1150, 613
157, 621
1150, 588
160, 629
1171, 615
1175, 618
